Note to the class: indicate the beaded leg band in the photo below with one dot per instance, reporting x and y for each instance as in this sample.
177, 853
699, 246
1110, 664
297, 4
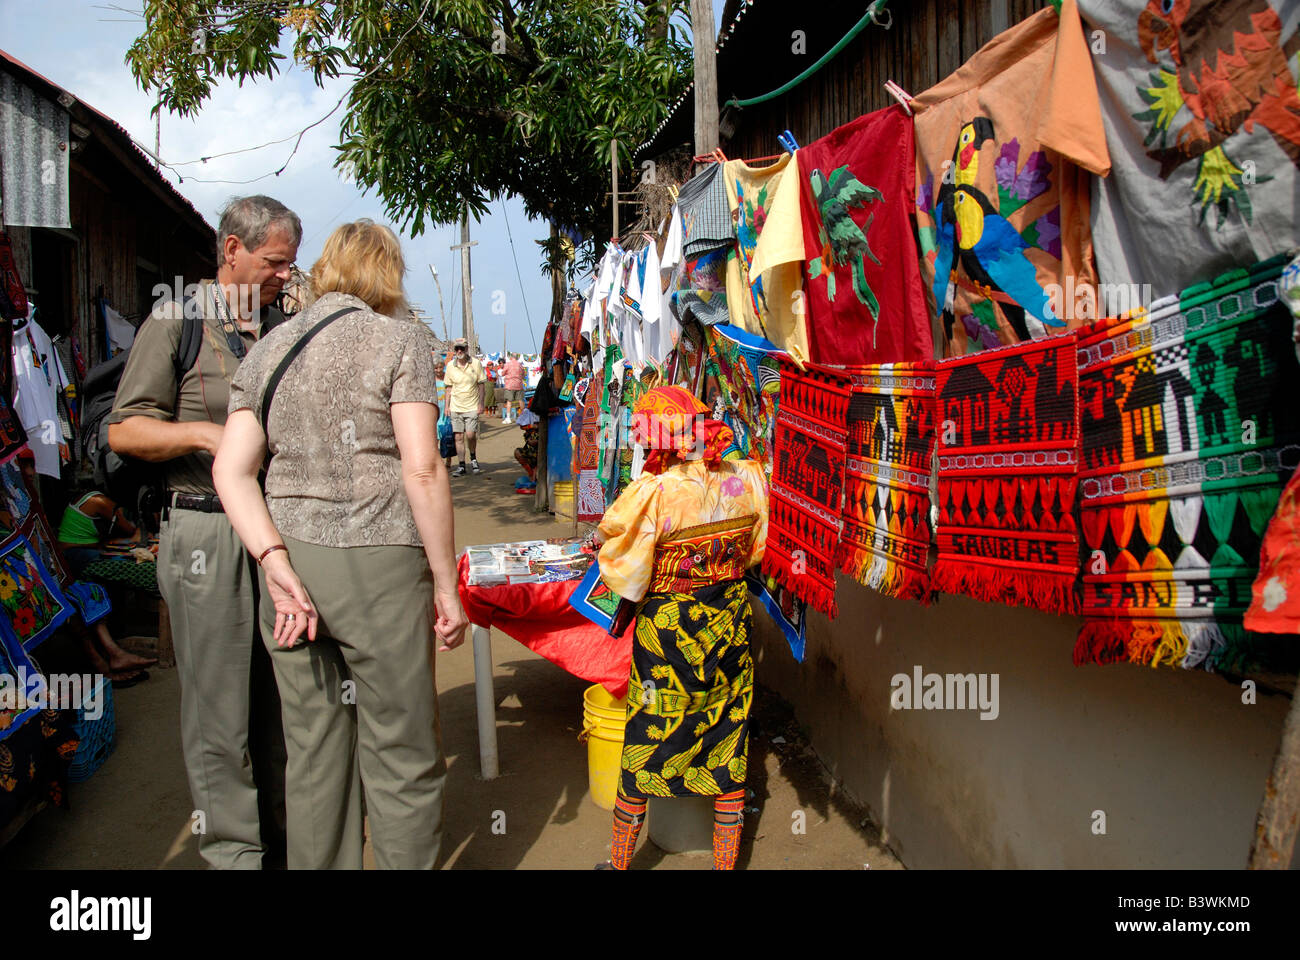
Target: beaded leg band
629, 814
727, 824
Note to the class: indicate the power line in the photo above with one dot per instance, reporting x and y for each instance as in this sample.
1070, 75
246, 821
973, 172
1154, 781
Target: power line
518, 275
300, 134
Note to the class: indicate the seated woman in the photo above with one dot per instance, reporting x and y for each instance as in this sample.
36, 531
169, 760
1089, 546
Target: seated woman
85, 526
677, 544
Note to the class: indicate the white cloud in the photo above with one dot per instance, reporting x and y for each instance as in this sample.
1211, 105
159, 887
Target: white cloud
75, 44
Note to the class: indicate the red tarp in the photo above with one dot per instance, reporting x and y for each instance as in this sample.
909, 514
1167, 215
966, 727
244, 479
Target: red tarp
538, 615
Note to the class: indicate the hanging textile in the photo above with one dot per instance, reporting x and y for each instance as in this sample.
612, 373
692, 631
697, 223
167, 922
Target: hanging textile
764, 361
12, 435
808, 484
630, 454
29, 594
787, 611
1275, 603
865, 301
39, 378
1202, 124
1191, 424
20, 513
764, 275
702, 287
1003, 150
1007, 425
559, 447
590, 495
734, 396
885, 542
706, 212
708, 236
16, 668
668, 328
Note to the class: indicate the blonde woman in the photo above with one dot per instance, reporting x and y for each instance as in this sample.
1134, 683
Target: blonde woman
354, 540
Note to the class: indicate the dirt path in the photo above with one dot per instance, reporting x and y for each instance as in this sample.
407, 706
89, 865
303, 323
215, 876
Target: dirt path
135, 812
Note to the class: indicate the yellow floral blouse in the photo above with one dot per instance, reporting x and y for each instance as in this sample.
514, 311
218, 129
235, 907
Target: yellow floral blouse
685, 528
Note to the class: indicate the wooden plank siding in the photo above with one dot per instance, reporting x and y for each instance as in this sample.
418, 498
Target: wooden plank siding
929, 39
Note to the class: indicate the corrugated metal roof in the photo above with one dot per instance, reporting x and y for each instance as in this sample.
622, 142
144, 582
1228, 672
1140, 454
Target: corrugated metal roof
113, 129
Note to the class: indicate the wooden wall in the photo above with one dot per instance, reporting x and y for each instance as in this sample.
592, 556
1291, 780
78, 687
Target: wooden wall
108, 251
929, 40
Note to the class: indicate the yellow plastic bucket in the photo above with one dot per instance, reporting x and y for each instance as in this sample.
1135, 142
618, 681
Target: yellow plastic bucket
564, 505
603, 719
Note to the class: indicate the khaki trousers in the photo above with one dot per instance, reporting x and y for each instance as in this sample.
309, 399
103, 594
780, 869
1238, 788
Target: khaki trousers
206, 577
360, 710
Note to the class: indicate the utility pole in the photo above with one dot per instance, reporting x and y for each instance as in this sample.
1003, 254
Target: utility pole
706, 77
467, 296
441, 309
613, 172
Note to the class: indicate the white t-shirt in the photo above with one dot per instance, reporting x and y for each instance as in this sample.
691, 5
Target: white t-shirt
38, 379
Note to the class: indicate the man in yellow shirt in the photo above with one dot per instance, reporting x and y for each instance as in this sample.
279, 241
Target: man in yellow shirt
466, 383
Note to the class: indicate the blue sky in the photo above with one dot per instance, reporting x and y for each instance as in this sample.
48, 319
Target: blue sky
81, 46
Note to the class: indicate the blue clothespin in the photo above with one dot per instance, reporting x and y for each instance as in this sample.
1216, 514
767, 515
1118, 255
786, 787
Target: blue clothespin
788, 143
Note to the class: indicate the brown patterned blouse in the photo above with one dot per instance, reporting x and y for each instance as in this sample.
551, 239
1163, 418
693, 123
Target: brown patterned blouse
335, 474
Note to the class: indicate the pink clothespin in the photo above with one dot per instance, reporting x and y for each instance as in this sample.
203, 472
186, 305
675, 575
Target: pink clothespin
899, 94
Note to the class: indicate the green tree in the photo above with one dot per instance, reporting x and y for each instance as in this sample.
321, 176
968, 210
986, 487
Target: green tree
454, 101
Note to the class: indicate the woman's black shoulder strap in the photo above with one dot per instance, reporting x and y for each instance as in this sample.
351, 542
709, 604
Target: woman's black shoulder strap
278, 374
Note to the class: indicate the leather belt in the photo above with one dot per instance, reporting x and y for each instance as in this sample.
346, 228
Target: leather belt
202, 502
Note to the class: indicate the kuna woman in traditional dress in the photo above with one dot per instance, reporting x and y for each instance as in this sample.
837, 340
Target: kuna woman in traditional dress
677, 544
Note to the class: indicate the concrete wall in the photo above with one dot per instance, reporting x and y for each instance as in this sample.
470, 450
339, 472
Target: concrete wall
1173, 757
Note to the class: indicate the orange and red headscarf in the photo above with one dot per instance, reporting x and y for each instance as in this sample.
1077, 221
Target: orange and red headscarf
670, 420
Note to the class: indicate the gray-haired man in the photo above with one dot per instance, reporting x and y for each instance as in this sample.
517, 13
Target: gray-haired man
204, 573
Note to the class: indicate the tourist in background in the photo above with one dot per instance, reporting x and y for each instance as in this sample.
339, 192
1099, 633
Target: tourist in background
512, 383
466, 390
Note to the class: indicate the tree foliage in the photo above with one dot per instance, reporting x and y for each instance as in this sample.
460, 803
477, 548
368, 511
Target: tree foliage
454, 101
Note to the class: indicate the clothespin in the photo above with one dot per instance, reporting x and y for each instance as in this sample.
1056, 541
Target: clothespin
788, 143
719, 155
899, 94
672, 191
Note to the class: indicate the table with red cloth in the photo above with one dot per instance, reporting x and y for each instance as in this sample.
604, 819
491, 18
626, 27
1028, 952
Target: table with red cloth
539, 616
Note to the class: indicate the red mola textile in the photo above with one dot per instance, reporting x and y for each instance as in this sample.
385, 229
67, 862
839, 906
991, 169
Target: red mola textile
866, 304
539, 616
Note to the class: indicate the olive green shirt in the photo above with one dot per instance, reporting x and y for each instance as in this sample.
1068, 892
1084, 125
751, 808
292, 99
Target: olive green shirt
148, 385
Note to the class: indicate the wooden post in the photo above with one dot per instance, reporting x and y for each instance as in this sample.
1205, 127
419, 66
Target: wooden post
467, 295
706, 77
1279, 812
613, 173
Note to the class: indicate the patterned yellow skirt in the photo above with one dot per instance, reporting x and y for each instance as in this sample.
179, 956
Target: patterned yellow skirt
690, 693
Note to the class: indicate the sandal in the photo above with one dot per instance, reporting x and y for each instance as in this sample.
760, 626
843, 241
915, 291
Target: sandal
121, 683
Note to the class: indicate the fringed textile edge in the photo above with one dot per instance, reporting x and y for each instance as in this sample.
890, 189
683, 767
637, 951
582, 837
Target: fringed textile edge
806, 588
1052, 592
888, 577
1210, 645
